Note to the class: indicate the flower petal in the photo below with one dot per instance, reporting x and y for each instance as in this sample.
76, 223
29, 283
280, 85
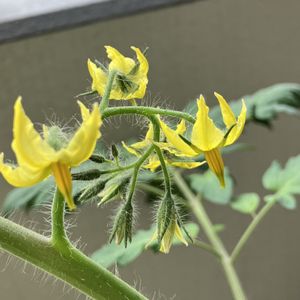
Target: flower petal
181, 127
63, 179
99, 78
236, 131
22, 176
153, 163
216, 164
176, 141
130, 149
205, 135
144, 66
83, 143
227, 113
147, 141
29, 147
179, 235
118, 61
186, 164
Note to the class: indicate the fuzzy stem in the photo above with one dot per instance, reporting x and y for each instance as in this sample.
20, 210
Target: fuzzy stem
203, 219
105, 99
205, 247
146, 111
70, 265
59, 236
248, 232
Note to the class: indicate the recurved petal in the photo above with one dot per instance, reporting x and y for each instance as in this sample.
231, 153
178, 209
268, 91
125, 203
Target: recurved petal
85, 113
83, 143
130, 149
22, 176
147, 141
238, 128
149, 134
176, 141
29, 147
227, 113
153, 163
181, 127
179, 235
205, 135
118, 61
99, 77
186, 164
144, 66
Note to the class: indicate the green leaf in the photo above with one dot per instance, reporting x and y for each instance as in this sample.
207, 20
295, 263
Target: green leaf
283, 182
111, 254
246, 203
263, 106
29, 197
218, 228
209, 187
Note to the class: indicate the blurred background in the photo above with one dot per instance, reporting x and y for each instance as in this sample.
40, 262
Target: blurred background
234, 47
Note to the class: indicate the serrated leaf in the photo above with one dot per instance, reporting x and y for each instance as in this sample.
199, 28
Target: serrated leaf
111, 254
283, 182
246, 203
209, 187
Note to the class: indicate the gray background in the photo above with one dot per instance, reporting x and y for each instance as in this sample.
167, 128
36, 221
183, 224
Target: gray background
234, 47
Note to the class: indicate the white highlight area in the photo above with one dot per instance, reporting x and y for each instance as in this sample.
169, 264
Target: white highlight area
11, 10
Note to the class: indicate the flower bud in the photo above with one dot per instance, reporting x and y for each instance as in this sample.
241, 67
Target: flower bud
87, 175
122, 229
168, 225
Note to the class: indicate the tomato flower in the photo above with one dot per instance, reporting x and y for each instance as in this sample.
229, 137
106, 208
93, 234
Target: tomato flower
153, 161
131, 78
206, 137
52, 153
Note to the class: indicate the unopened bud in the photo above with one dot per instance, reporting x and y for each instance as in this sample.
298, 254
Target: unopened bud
87, 175
122, 229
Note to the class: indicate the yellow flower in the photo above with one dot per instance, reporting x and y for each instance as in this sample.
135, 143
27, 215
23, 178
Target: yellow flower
38, 157
172, 231
131, 79
153, 161
207, 138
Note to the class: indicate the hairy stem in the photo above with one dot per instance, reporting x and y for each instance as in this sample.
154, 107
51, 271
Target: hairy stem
70, 265
105, 99
203, 219
58, 235
205, 247
248, 232
146, 111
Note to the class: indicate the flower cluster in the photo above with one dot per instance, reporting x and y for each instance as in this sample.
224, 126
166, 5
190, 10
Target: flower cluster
53, 152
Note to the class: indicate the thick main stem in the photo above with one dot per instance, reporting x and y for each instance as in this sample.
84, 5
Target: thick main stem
70, 265
202, 217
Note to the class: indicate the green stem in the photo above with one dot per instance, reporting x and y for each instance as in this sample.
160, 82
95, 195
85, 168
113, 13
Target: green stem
248, 232
70, 265
205, 247
105, 99
146, 111
202, 217
137, 167
59, 236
